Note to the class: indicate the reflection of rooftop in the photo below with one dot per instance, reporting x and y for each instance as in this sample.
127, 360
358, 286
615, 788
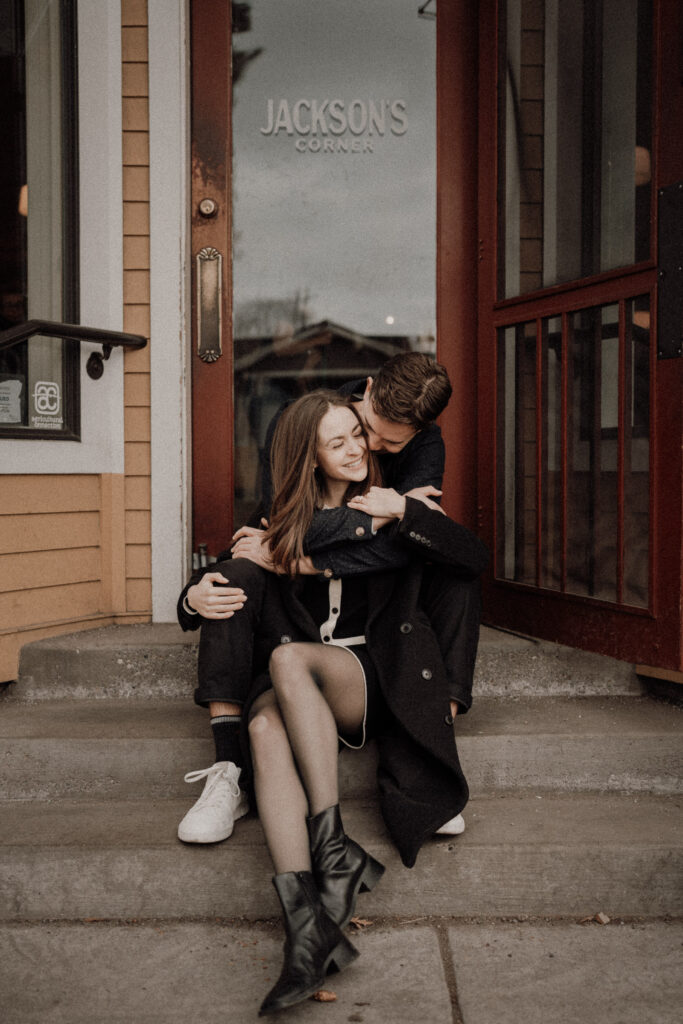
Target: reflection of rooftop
324, 348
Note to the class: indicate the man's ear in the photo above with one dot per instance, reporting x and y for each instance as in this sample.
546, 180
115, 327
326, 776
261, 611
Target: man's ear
368, 387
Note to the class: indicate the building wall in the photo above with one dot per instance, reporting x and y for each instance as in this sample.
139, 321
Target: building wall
75, 548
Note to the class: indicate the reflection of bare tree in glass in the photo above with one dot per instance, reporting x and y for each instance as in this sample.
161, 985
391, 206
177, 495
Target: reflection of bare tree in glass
241, 22
241, 59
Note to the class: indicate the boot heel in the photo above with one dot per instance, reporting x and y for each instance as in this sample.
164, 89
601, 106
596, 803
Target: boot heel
371, 874
342, 955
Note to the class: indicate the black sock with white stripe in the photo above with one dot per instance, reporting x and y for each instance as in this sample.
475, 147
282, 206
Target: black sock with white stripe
226, 735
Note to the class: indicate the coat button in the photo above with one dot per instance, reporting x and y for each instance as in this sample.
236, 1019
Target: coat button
412, 534
284, 639
327, 574
448, 719
360, 531
406, 627
326, 639
335, 611
426, 674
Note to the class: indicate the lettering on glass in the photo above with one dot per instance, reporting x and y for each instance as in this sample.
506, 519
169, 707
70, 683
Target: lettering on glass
335, 126
47, 405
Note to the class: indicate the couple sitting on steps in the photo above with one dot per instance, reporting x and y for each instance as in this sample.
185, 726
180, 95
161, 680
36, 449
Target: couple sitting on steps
351, 613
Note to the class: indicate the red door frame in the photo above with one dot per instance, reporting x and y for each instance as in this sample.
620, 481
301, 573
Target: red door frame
212, 391
652, 637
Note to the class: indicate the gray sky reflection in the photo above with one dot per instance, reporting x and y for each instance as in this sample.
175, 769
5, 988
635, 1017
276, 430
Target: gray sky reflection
355, 230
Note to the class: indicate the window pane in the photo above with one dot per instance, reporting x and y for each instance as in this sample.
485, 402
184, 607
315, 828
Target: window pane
334, 201
36, 223
551, 485
592, 483
574, 140
637, 454
517, 453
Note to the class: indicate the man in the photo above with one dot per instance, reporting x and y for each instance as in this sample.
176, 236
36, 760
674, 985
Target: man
398, 409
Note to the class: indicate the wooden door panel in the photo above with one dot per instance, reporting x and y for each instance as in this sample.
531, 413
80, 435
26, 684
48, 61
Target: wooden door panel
212, 414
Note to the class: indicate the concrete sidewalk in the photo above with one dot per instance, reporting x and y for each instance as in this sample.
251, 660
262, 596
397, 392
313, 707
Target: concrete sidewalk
435, 971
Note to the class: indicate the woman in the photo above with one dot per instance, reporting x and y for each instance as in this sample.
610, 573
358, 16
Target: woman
347, 684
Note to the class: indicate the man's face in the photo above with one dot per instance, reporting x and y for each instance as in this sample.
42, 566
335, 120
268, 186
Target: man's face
383, 435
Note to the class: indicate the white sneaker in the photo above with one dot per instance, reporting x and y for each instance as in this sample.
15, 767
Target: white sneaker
454, 827
222, 802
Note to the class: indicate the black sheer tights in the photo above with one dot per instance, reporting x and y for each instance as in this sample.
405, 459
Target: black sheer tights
317, 691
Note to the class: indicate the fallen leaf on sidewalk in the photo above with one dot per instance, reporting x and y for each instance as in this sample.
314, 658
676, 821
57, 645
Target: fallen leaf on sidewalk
360, 923
323, 996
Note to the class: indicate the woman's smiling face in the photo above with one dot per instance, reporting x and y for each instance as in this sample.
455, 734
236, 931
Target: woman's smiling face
342, 452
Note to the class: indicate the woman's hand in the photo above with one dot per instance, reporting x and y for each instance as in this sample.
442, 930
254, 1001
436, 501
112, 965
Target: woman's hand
249, 543
219, 602
382, 503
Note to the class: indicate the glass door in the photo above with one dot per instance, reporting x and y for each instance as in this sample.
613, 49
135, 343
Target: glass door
314, 214
333, 189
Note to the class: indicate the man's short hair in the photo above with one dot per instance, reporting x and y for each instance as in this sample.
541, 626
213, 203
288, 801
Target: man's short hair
411, 388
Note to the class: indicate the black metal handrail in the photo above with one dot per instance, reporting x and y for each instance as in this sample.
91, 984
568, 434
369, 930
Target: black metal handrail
74, 332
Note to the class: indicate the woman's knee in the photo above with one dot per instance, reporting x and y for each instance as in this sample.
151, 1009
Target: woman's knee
267, 734
288, 669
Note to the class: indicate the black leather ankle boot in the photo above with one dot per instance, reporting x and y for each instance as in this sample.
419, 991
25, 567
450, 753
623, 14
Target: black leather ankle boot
341, 867
314, 945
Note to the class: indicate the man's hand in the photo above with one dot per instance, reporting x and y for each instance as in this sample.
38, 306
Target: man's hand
454, 708
219, 602
248, 543
423, 494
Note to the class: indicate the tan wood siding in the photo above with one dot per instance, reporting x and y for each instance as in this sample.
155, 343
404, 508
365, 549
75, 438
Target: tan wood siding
63, 558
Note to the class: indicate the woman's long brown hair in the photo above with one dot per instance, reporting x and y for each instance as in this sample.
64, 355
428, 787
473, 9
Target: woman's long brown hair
298, 486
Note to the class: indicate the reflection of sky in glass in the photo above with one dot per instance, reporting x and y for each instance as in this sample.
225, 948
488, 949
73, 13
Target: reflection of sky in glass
355, 232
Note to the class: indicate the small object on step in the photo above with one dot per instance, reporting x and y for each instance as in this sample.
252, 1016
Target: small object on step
360, 923
323, 996
602, 918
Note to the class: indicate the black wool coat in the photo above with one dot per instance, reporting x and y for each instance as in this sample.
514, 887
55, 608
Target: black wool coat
421, 782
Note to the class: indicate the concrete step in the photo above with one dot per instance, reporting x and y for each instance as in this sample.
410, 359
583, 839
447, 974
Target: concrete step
147, 661
438, 971
141, 749
521, 854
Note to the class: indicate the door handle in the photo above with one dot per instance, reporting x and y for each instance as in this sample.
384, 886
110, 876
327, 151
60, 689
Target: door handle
209, 304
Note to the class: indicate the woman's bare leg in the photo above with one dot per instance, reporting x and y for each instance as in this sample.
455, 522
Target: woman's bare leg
281, 800
319, 690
